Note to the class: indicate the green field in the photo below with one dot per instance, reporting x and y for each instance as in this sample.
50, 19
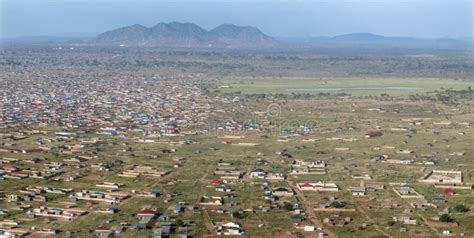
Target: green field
353, 86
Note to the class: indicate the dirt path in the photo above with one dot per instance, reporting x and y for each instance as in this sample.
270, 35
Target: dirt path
434, 229
310, 211
200, 185
376, 226
207, 222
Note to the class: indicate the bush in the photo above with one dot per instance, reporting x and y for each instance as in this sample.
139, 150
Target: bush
338, 204
445, 218
288, 206
239, 215
460, 208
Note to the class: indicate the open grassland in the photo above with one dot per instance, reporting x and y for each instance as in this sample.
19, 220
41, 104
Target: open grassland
353, 86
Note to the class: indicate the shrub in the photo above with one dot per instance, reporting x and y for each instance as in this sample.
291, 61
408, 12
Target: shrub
445, 218
460, 208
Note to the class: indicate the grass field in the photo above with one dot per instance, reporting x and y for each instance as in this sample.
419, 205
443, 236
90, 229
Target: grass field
354, 86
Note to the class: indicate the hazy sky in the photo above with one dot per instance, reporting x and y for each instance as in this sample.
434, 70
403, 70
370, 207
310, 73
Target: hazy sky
418, 18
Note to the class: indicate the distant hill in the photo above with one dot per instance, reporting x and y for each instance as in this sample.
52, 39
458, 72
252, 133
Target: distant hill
187, 35
373, 40
42, 40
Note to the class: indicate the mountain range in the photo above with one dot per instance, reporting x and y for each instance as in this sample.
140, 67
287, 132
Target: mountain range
187, 35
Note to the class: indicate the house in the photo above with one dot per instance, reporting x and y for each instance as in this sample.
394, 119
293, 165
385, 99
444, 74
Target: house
297, 217
282, 192
275, 176
211, 201
165, 218
67, 214
157, 234
406, 220
360, 191
112, 210
233, 203
443, 177
10, 168
229, 173
223, 188
45, 231
446, 231
372, 134
103, 231
439, 199
178, 208
309, 164
405, 189
270, 197
111, 198
448, 191
146, 215
152, 194
137, 227
258, 173
361, 176
308, 167
165, 228
216, 182
146, 171
109, 185
229, 228
372, 187
318, 186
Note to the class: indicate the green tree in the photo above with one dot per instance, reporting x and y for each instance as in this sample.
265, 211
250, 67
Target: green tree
338, 204
288, 206
445, 218
460, 208
239, 215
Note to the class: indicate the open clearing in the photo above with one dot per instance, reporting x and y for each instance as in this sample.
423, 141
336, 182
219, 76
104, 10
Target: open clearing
353, 86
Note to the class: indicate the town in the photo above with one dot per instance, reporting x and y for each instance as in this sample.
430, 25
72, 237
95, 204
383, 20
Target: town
102, 141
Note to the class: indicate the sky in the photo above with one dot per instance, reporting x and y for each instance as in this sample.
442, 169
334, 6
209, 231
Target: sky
277, 18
